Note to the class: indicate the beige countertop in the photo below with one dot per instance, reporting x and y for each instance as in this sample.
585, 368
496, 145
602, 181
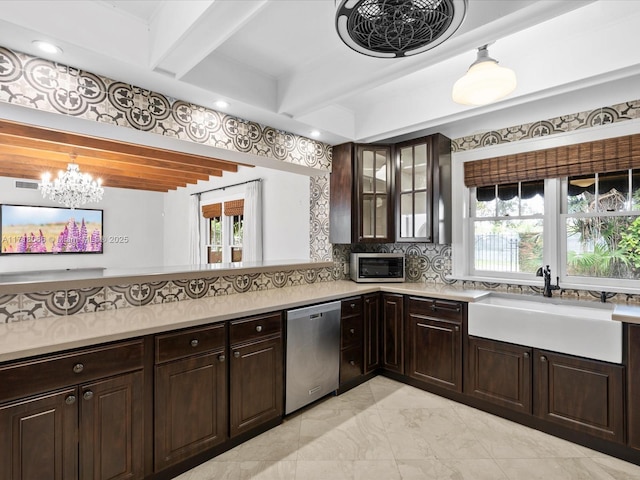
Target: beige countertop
48, 335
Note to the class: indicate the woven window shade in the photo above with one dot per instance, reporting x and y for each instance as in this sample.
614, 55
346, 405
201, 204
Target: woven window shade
234, 207
212, 211
609, 155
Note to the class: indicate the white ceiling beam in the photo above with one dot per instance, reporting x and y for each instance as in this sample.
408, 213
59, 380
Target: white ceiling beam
185, 33
315, 86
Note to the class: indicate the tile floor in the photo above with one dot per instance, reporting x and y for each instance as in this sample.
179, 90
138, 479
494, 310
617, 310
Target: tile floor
387, 430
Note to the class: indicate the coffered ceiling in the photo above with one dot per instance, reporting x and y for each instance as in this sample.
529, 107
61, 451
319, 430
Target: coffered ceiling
281, 63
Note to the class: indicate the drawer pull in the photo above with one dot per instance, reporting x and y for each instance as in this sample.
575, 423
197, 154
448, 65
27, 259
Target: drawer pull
78, 368
543, 358
456, 328
352, 331
433, 308
352, 363
88, 395
525, 354
222, 358
353, 305
195, 342
70, 400
259, 328
236, 354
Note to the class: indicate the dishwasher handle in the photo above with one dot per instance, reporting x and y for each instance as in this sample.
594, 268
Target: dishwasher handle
313, 310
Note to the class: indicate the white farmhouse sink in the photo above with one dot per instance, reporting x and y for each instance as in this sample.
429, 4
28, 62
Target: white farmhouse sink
576, 328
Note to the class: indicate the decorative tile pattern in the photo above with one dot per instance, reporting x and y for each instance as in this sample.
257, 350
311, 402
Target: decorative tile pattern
564, 123
320, 248
37, 83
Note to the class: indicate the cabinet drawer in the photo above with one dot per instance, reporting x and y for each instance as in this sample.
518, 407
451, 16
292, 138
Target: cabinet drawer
351, 361
351, 306
351, 332
432, 307
57, 371
255, 328
182, 344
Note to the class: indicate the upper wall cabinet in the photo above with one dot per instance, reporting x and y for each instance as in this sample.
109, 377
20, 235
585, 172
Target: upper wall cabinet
361, 194
387, 193
423, 190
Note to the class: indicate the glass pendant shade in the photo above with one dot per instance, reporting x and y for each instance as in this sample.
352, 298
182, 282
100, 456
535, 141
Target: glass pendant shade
484, 82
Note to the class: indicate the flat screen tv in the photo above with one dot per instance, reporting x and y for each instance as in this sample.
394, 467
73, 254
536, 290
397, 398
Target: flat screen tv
26, 229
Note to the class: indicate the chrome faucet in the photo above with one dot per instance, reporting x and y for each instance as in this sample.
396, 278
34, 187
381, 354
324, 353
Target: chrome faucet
546, 274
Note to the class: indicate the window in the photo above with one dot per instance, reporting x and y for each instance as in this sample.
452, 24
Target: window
507, 228
224, 230
601, 226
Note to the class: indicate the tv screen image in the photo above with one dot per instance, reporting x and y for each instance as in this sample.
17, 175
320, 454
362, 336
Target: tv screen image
28, 229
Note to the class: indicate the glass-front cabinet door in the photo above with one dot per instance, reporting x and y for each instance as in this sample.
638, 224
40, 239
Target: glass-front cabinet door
375, 205
414, 194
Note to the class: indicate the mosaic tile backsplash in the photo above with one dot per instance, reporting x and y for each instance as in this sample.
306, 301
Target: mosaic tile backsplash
33, 306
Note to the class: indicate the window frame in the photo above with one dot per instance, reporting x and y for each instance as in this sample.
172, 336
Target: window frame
227, 229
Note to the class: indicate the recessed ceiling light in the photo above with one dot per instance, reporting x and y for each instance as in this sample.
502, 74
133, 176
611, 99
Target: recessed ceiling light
315, 133
47, 47
221, 104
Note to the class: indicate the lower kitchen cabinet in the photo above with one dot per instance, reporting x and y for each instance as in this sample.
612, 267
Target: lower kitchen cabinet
499, 373
633, 386
372, 332
191, 414
38, 437
80, 415
351, 339
392, 344
580, 394
256, 372
434, 342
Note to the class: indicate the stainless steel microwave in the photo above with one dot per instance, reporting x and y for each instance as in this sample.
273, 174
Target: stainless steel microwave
377, 267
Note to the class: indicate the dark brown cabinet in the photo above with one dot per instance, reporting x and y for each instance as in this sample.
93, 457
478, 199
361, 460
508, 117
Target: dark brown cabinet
392, 344
423, 190
90, 426
38, 438
191, 412
580, 394
372, 332
434, 342
633, 386
256, 372
351, 339
500, 373
361, 194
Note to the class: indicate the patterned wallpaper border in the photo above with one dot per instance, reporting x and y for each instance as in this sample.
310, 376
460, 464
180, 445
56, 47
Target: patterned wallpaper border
53, 87
565, 123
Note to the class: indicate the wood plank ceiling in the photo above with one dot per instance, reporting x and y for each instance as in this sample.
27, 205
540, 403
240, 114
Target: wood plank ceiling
28, 151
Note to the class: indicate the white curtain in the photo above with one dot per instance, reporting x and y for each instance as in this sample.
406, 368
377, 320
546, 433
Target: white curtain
195, 252
252, 229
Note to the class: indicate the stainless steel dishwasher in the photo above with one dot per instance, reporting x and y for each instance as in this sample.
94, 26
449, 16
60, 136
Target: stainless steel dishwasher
313, 354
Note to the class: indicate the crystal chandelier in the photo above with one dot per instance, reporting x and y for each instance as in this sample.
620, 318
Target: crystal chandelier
71, 188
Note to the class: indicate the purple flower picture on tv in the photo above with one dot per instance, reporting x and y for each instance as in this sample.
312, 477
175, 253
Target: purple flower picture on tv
30, 229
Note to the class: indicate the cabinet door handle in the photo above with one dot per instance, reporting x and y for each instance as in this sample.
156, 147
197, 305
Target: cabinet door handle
259, 328
236, 354
456, 328
352, 331
433, 308
88, 395
222, 358
78, 368
543, 358
525, 354
352, 363
195, 342
70, 400
353, 305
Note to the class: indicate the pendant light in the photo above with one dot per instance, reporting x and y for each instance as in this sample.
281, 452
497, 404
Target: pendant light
485, 81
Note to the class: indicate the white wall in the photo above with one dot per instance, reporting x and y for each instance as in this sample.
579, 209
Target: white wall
286, 219
135, 214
